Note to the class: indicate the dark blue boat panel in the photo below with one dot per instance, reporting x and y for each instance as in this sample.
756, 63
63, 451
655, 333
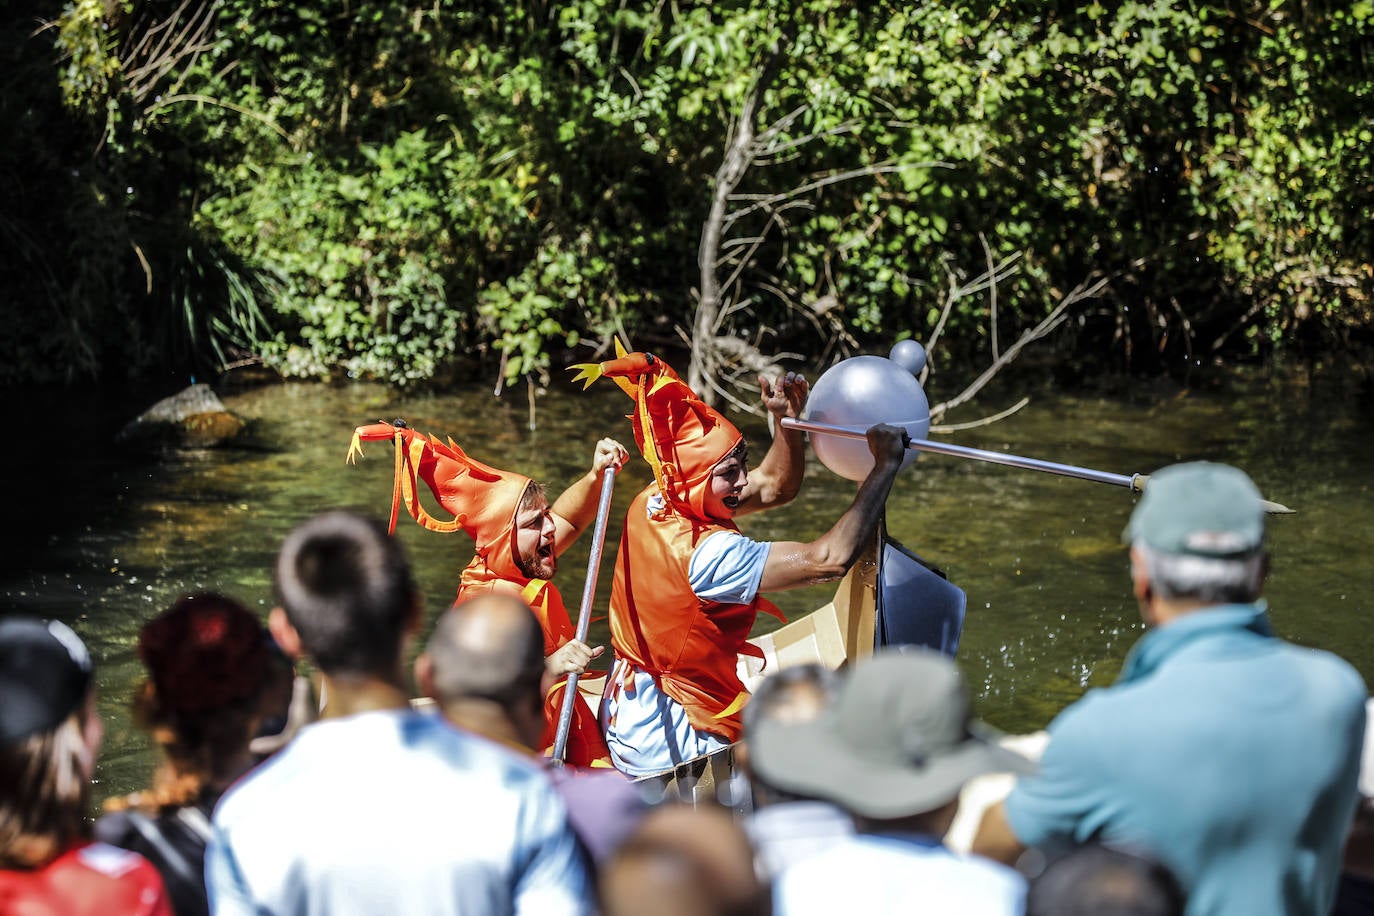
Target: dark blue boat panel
917, 605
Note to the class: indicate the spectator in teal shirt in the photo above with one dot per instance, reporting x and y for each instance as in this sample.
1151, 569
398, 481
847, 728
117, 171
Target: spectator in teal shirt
1226, 752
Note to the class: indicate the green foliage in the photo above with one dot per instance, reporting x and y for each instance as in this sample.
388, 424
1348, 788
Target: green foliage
383, 189
90, 51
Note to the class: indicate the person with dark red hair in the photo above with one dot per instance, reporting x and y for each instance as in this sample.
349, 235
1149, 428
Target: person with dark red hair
688, 584
209, 661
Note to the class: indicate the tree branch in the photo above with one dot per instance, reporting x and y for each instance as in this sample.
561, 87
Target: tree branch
154, 52
881, 168
1088, 289
772, 152
989, 279
983, 421
739, 154
992, 295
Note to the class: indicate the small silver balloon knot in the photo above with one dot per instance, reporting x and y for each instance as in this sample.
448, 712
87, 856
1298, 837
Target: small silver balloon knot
908, 354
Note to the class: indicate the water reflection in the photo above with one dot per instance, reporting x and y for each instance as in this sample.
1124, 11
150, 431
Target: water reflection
110, 540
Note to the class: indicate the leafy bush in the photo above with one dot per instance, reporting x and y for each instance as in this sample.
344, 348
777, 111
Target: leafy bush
389, 188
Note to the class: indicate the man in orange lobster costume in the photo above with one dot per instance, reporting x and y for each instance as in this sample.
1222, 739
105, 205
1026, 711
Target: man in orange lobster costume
687, 582
519, 537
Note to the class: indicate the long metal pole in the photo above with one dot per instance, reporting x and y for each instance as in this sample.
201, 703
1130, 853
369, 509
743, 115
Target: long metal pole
584, 615
1129, 481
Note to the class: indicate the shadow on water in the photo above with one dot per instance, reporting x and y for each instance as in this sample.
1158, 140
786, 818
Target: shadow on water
104, 540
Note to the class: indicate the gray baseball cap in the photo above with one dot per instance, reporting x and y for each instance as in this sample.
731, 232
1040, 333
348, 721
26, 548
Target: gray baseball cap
1200, 509
899, 740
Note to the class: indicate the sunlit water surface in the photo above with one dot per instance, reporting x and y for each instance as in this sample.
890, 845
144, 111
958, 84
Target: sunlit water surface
108, 539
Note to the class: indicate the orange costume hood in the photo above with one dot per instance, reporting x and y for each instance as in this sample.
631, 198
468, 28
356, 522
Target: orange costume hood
482, 499
680, 436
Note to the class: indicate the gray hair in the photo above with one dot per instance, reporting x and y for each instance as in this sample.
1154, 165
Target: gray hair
1211, 580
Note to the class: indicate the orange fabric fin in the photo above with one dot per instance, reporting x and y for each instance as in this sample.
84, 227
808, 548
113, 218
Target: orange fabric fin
772, 609
397, 473
406, 477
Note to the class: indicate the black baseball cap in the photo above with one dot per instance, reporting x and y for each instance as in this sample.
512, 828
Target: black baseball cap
45, 674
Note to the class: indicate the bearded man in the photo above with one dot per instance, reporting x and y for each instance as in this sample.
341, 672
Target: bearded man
519, 537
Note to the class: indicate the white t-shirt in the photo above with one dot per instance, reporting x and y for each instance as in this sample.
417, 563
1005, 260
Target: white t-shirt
394, 811
727, 567
868, 873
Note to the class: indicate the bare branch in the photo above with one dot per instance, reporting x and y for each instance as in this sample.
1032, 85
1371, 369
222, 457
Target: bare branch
629, 78
984, 421
736, 243
884, 168
769, 156
724, 392
746, 355
992, 294
208, 100
735, 305
1088, 289
177, 41
783, 296
744, 260
739, 154
1000, 271
1187, 327
1240, 322
951, 297
781, 124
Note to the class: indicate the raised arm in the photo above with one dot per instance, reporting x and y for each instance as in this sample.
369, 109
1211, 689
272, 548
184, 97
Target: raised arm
575, 509
777, 478
792, 565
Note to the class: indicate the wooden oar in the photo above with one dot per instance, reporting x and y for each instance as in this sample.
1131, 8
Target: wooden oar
584, 615
1134, 482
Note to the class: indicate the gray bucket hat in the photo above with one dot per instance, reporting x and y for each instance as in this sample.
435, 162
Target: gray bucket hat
899, 740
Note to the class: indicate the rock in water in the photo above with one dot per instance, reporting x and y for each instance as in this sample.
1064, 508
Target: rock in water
194, 417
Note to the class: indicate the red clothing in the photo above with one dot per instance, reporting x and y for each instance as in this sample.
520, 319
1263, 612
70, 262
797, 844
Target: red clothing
660, 626
586, 746
93, 879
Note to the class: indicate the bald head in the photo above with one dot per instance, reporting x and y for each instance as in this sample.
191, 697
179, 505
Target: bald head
684, 861
489, 648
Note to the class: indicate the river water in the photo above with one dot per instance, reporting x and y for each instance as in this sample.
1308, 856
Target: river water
104, 539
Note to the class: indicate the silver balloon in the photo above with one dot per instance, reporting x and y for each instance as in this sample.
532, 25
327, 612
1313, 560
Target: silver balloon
909, 354
857, 393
